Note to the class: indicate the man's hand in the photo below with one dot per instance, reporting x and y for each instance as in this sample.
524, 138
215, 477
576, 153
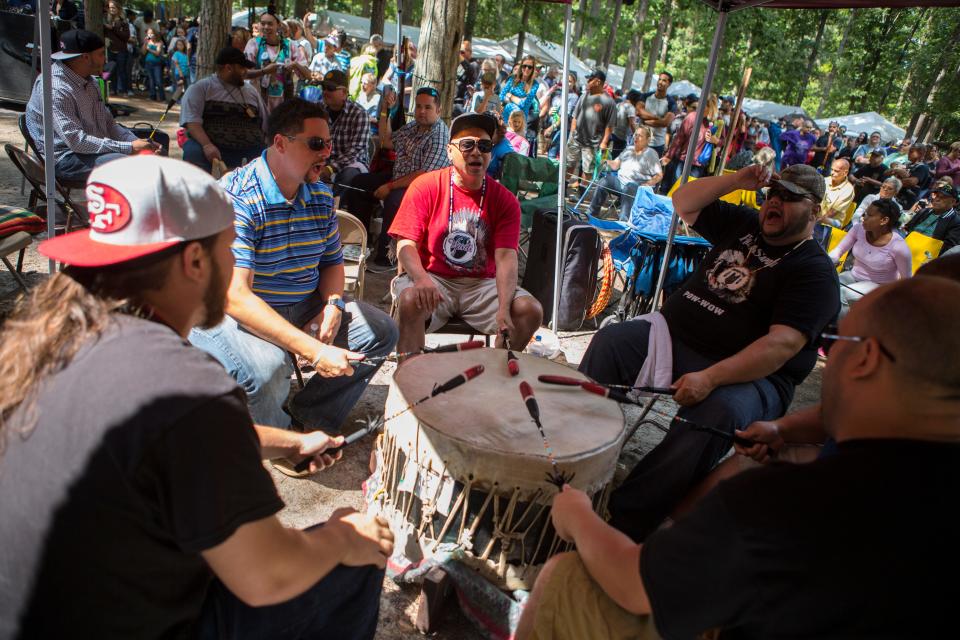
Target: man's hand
754, 177
211, 152
766, 434
568, 508
366, 539
427, 293
693, 388
390, 99
327, 324
382, 191
144, 145
504, 321
331, 362
314, 444
664, 161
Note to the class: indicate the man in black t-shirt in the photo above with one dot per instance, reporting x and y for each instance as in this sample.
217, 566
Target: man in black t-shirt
133, 498
868, 178
468, 72
859, 544
916, 176
744, 329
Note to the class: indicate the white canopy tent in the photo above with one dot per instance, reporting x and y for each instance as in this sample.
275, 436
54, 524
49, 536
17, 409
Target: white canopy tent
867, 123
544, 51
770, 111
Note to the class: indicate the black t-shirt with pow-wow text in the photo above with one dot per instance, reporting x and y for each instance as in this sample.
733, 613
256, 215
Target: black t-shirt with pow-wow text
744, 285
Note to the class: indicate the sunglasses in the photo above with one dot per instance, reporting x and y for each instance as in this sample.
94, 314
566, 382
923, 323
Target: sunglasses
316, 143
468, 144
526, 66
829, 337
331, 87
777, 191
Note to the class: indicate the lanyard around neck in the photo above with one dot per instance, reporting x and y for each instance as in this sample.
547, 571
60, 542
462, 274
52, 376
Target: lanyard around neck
483, 194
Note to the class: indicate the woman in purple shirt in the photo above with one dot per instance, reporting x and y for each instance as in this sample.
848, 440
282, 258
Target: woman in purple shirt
949, 165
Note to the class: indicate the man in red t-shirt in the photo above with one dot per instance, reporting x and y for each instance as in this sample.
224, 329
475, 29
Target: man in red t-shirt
457, 233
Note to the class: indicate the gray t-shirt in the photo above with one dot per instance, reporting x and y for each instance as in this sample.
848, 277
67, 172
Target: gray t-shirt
593, 115
141, 456
232, 117
658, 107
626, 113
638, 168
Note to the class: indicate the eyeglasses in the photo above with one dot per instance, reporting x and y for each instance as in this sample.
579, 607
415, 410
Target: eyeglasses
331, 87
830, 336
777, 191
466, 145
316, 143
526, 66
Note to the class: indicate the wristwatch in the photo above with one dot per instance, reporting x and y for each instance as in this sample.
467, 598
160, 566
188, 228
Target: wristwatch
337, 302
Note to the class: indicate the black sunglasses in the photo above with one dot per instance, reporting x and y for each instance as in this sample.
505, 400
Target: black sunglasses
784, 195
467, 145
316, 143
829, 337
526, 66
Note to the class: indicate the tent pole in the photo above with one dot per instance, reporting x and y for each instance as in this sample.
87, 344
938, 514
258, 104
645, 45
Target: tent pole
692, 146
49, 163
562, 191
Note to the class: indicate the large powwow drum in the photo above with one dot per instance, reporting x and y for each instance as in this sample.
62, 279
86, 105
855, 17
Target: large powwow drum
465, 474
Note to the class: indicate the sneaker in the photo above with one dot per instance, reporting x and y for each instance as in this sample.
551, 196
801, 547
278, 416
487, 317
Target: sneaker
380, 265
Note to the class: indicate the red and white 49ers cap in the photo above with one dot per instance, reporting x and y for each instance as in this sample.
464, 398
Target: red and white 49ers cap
141, 205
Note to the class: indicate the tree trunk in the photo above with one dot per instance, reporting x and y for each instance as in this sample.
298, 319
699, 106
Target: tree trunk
612, 36
657, 41
908, 83
471, 20
441, 31
925, 99
589, 29
581, 22
828, 83
665, 41
902, 88
870, 75
914, 121
93, 16
300, 7
636, 45
377, 16
364, 9
522, 36
812, 60
215, 18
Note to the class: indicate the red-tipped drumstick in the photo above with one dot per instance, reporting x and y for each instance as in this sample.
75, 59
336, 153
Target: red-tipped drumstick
513, 363
576, 382
558, 477
446, 348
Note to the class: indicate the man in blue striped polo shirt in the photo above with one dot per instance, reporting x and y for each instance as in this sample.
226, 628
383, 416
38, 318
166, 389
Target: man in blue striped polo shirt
286, 294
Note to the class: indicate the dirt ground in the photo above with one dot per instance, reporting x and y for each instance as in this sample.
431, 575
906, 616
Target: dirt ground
312, 500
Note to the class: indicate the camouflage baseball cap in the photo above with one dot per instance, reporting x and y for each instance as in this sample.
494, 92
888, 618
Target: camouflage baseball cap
803, 180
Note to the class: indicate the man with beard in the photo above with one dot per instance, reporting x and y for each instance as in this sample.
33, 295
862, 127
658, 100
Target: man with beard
286, 294
133, 499
743, 329
224, 116
457, 236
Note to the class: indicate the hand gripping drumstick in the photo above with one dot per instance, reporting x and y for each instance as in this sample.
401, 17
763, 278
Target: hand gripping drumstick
575, 382
558, 477
173, 100
446, 348
371, 426
513, 363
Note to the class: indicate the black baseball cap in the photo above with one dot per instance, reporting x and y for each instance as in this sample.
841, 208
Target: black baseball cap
336, 77
947, 190
482, 121
598, 74
76, 43
230, 55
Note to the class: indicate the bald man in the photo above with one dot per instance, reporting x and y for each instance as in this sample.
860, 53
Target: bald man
839, 193
856, 544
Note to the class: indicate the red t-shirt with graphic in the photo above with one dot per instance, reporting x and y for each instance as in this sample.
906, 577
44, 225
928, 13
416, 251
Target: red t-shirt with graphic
462, 244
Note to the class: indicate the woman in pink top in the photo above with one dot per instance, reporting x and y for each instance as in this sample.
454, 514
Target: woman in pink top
949, 165
880, 254
516, 129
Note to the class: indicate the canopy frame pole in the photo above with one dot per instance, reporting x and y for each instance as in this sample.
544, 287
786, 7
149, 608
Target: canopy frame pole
562, 191
49, 159
692, 147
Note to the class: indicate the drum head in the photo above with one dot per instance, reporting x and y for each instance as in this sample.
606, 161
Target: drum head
482, 428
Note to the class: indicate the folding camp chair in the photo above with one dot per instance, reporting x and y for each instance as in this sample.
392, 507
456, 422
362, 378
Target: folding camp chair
32, 170
32, 144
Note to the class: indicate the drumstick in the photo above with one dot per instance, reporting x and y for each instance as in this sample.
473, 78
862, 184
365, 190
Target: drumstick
576, 382
558, 477
372, 425
450, 384
513, 363
445, 348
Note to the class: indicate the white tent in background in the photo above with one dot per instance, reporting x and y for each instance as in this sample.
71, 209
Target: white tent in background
867, 123
770, 111
544, 51
683, 88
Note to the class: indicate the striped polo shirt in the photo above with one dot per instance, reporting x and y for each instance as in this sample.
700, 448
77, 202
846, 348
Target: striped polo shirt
284, 244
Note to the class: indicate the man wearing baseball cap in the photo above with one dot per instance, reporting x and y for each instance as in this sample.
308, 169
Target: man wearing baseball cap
591, 126
133, 499
457, 234
349, 130
84, 132
939, 220
224, 116
744, 330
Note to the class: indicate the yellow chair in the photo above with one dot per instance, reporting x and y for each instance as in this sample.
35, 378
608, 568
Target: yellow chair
353, 234
848, 215
923, 248
836, 235
676, 185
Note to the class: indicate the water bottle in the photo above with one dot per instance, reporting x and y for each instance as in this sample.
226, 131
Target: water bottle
544, 344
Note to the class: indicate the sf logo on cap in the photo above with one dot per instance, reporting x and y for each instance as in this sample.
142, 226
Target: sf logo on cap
109, 210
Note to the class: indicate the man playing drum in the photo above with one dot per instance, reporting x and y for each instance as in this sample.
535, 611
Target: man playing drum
457, 234
133, 498
744, 330
855, 544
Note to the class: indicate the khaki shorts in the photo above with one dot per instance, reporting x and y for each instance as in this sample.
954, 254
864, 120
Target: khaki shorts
586, 156
574, 606
473, 300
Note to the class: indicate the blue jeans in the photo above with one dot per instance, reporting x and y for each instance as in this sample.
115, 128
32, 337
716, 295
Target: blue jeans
667, 473
611, 183
77, 166
120, 80
193, 153
263, 369
155, 80
344, 604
